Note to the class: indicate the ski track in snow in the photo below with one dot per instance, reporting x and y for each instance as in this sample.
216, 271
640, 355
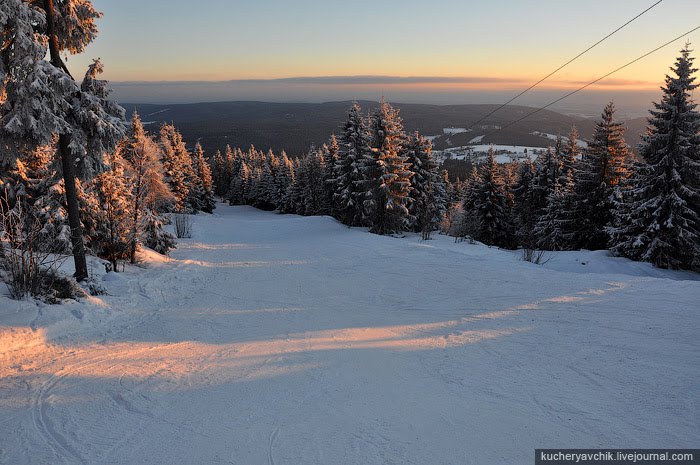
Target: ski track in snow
287, 340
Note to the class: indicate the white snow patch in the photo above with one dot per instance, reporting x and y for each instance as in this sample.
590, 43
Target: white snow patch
452, 131
581, 143
338, 346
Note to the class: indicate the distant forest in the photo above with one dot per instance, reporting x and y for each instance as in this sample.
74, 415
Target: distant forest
294, 127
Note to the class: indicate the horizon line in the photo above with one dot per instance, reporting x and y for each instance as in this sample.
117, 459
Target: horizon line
366, 80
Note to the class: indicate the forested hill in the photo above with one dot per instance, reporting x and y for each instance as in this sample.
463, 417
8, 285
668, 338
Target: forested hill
295, 126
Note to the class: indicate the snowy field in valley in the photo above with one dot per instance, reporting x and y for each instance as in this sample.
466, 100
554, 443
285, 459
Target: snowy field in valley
508, 153
271, 339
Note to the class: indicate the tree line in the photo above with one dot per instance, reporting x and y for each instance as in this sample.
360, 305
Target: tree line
373, 174
71, 164
573, 196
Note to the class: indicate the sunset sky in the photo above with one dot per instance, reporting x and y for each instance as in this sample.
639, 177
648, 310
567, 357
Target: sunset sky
503, 45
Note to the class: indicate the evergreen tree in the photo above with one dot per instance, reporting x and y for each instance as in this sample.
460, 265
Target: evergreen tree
353, 146
284, 179
525, 211
203, 172
548, 167
603, 166
385, 174
219, 174
330, 159
659, 219
35, 180
428, 194
39, 99
177, 166
112, 238
149, 194
554, 228
490, 205
570, 154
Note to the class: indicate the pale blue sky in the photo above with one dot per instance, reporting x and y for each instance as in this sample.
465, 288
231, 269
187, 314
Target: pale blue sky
215, 40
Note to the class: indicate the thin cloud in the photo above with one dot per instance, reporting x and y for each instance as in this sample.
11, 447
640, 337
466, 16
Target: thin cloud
339, 80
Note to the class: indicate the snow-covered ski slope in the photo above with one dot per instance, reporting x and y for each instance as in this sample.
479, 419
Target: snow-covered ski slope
271, 339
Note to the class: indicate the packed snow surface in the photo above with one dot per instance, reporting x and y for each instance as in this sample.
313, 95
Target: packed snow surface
271, 339
452, 131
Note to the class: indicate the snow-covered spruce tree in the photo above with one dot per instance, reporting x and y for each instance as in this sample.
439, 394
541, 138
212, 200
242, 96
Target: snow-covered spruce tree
603, 165
353, 146
293, 200
197, 196
284, 178
570, 154
330, 160
525, 211
219, 174
548, 167
150, 195
428, 195
35, 180
177, 166
659, 220
238, 192
385, 173
310, 184
554, 227
265, 192
490, 205
39, 99
203, 171
113, 238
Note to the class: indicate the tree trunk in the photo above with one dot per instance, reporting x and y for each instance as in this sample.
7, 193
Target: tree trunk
67, 161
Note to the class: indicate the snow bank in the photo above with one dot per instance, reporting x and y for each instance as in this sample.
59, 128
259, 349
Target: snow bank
283, 339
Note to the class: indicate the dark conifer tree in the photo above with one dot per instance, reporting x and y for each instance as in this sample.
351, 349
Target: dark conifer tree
490, 205
354, 144
659, 216
428, 195
385, 174
603, 166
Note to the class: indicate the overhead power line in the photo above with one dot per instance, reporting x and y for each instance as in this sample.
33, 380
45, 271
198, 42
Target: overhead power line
594, 81
564, 65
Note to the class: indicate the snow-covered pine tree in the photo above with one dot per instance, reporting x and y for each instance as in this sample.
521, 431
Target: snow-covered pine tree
196, 195
203, 170
353, 146
113, 238
176, 166
548, 167
39, 99
525, 214
150, 195
603, 166
490, 205
659, 220
217, 175
310, 182
284, 179
554, 227
330, 160
428, 194
450, 191
238, 192
385, 173
570, 154
34, 179
295, 193
266, 187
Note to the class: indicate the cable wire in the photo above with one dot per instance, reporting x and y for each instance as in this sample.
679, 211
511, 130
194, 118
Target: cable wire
564, 65
592, 82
